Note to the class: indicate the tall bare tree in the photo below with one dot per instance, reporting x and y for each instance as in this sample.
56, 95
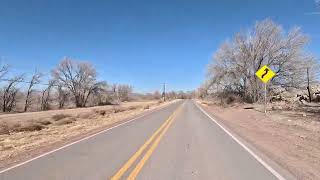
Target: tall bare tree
35, 79
9, 93
62, 96
46, 96
235, 62
78, 77
124, 91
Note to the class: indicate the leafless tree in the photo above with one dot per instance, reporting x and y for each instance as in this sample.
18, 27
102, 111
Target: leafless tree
235, 62
78, 77
156, 95
35, 79
124, 91
62, 96
3, 71
172, 95
101, 93
46, 96
9, 93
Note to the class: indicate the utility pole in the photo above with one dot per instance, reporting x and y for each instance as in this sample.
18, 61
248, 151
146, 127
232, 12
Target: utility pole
308, 88
164, 92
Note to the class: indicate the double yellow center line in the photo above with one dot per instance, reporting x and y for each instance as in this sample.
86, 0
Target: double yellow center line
154, 141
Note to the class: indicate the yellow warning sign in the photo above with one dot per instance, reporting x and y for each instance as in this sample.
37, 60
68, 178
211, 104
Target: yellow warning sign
265, 74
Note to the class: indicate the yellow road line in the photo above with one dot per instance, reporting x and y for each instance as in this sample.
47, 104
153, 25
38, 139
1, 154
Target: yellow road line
148, 154
129, 163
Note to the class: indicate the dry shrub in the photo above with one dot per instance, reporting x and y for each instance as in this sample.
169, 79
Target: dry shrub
206, 103
32, 126
160, 101
4, 129
87, 115
229, 98
132, 108
58, 117
102, 112
66, 121
44, 122
146, 107
118, 109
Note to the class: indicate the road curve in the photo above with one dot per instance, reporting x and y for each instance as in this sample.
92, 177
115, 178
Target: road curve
176, 142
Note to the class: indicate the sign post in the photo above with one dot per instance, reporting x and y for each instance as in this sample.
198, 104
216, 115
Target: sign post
265, 74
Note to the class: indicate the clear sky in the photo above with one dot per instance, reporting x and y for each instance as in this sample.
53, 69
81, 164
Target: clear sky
140, 42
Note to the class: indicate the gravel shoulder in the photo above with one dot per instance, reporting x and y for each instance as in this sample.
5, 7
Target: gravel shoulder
290, 138
25, 135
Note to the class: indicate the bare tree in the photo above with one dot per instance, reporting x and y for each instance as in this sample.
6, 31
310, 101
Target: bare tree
3, 71
35, 79
124, 91
62, 96
78, 77
46, 96
9, 94
235, 62
156, 95
101, 94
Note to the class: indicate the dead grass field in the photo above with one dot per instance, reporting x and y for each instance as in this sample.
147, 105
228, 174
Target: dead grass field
290, 136
21, 133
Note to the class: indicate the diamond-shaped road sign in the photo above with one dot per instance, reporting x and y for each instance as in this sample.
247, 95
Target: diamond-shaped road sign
265, 74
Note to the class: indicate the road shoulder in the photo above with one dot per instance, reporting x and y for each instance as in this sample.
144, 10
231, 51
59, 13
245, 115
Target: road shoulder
261, 155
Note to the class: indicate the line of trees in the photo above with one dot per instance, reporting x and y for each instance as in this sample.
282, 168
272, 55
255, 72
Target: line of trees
233, 68
72, 83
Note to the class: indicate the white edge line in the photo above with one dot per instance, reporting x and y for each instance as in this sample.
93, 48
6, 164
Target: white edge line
80, 140
268, 167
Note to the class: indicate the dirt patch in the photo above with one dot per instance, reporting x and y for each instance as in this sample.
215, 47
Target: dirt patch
290, 138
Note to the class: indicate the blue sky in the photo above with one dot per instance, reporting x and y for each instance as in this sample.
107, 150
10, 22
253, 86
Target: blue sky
140, 42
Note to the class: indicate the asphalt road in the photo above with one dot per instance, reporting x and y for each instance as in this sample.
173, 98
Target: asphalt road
176, 142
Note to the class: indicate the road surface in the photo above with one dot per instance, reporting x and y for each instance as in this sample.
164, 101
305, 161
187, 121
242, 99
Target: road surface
177, 142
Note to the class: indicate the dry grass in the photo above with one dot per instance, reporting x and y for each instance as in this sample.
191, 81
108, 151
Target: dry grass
133, 108
146, 107
44, 122
30, 126
102, 112
65, 121
58, 117
87, 115
118, 109
4, 129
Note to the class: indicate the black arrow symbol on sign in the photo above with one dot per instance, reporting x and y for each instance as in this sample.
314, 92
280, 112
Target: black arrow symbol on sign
265, 72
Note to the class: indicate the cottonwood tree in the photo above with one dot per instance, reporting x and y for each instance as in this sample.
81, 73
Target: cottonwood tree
123, 91
35, 79
78, 77
236, 61
62, 95
101, 93
46, 96
9, 93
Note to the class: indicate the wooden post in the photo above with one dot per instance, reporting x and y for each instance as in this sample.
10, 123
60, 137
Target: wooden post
310, 99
